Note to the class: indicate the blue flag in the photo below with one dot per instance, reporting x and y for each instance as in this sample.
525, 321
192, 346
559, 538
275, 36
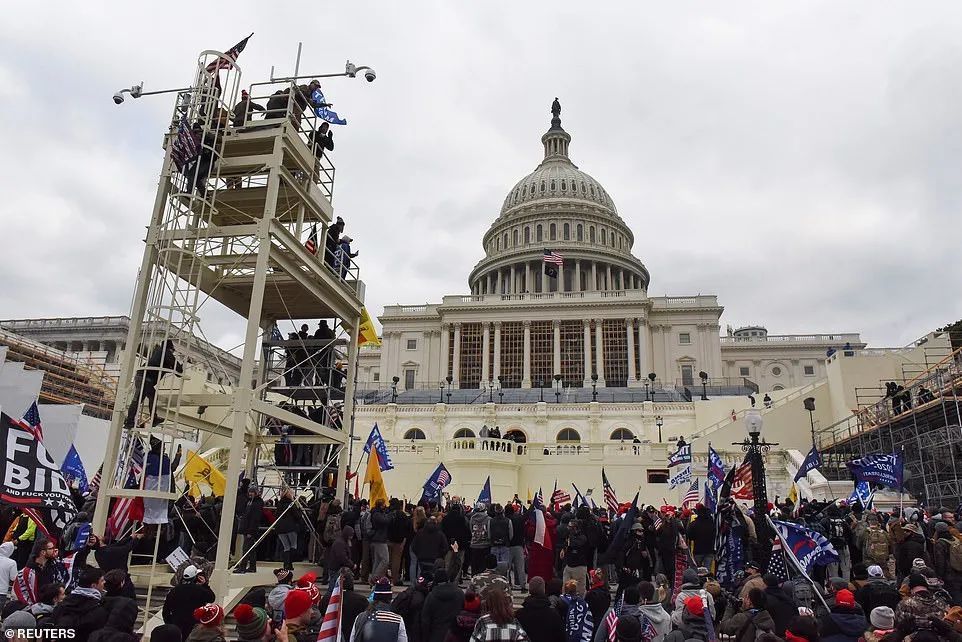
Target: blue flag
322, 111
680, 456
716, 468
485, 495
863, 494
809, 547
879, 469
436, 483
579, 496
375, 439
80, 539
73, 468
711, 501
812, 461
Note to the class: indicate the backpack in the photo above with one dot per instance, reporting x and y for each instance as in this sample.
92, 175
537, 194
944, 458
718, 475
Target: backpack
877, 544
331, 528
955, 554
801, 592
836, 530
499, 531
366, 526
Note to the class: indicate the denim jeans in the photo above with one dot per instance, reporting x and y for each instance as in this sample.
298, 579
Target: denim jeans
503, 555
517, 566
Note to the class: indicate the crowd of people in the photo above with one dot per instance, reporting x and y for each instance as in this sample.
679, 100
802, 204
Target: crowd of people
489, 573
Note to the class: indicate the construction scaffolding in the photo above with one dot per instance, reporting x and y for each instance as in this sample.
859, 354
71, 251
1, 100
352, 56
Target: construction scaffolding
922, 422
242, 210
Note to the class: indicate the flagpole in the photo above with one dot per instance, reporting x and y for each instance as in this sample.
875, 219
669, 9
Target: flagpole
902, 484
798, 565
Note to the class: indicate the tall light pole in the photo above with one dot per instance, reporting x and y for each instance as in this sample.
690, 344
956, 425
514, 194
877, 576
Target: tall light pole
557, 388
651, 377
594, 386
755, 449
394, 381
704, 385
810, 407
659, 422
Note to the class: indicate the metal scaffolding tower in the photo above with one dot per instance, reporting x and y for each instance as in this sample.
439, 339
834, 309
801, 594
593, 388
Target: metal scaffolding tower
229, 224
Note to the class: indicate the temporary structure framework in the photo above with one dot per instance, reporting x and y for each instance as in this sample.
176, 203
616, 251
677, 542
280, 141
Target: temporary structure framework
228, 226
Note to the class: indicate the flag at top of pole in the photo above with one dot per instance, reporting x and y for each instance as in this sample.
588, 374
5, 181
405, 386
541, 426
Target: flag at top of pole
485, 496
610, 500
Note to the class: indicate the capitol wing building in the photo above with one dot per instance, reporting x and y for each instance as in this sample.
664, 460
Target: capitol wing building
579, 368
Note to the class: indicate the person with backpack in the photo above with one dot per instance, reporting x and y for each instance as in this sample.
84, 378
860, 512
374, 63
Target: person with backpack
875, 543
399, 533
409, 604
779, 604
947, 560
839, 534
429, 546
441, 607
501, 530
480, 524
877, 591
752, 621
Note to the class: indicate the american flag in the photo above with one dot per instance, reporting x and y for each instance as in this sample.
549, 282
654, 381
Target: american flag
94, 486
659, 522
538, 499
230, 57
128, 509
444, 477
186, 147
776, 563
311, 244
611, 622
560, 496
331, 624
31, 422
742, 483
610, 498
648, 631
691, 496
552, 257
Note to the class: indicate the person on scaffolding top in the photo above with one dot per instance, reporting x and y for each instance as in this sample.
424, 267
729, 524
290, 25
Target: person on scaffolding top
244, 110
162, 359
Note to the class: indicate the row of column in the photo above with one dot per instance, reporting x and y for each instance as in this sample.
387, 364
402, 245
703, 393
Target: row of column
515, 280
633, 328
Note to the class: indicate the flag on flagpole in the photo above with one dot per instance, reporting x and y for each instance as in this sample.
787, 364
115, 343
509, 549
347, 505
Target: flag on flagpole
716, 467
691, 496
485, 495
311, 244
229, 58
435, 484
809, 547
886, 470
128, 509
31, 422
73, 469
610, 499
683, 476
542, 536
376, 441
742, 482
813, 460
680, 456
578, 495
776, 563
863, 494
711, 500
375, 480
552, 263
559, 496
367, 333
199, 470
331, 624
186, 147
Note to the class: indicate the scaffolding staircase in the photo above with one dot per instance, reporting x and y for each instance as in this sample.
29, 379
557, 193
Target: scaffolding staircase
228, 230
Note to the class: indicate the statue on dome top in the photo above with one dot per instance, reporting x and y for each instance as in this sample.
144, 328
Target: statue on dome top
556, 108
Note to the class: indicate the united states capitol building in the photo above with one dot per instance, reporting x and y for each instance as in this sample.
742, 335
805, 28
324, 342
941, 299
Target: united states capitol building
584, 369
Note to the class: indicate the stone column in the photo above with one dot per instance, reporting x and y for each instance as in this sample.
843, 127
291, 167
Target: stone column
624, 286
527, 277
497, 282
526, 369
630, 328
456, 364
643, 363
577, 283
490, 280
445, 346
485, 361
513, 286
587, 331
594, 278
497, 351
428, 340
599, 353
556, 325
608, 283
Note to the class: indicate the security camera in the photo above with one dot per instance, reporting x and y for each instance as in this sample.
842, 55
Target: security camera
136, 90
369, 75
118, 98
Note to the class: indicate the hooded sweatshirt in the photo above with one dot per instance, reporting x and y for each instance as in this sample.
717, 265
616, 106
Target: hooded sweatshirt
8, 567
691, 589
339, 553
842, 625
657, 615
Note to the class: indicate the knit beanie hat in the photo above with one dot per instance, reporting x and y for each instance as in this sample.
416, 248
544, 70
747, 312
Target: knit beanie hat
917, 580
536, 586
875, 571
472, 602
210, 614
251, 621
166, 633
383, 587
690, 576
695, 606
883, 617
20, 620
297, 603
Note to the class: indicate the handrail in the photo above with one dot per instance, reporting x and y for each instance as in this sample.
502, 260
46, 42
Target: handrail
777, 404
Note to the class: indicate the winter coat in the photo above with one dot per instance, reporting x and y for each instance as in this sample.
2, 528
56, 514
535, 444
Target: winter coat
339, 553
253, 517
480, 530
114, 556
82, 614
120, 622
918, 608
877, 593
380, 521
517, 529
912, 547
781, 607
455, 528
429, 544
747, 624
842, 625
181, 602
687, 591
701, 532
755, 581
206, 634
440, 609
598, 599
8, 567
409, 605
352, 605
576, 550
463, 626
658, 617
287, 522
540, 620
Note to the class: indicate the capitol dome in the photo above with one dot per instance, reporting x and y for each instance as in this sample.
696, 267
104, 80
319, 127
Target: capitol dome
561, 210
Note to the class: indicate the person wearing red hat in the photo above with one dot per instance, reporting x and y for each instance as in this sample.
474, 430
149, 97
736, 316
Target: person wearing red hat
297, 612
463, 625
210, 624
253, 625
844, 623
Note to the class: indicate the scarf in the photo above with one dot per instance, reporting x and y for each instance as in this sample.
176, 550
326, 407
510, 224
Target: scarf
92, 593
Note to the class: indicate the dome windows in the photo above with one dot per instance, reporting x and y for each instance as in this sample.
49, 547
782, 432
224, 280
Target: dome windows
604, 240
415, 433
622, 434
568, 435
527, 235
580, 232
504, 244
591, 234
539, 235
584, 188
552, 232
544, 186
566, 231
564, 185
464, 433
524, 191
591, 188
515, 238
553, 188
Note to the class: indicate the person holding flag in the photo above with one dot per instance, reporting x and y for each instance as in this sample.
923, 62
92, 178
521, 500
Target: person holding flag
540, 534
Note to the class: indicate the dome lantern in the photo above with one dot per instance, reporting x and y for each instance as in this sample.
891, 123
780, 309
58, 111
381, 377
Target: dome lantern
556, 139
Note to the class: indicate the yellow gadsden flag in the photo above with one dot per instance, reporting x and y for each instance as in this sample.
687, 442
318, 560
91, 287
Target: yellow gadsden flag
373, 477
367, 333
793, 495
198, 470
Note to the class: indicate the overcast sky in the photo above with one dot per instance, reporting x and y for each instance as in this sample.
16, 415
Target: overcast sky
801, 162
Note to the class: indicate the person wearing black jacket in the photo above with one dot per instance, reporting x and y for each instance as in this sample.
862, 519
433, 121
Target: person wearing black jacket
120, 623
441, 607
516, 545
191, 593
778, 604
701, 532
352, 603
288, 523
114, 556
83, 610
380, 558
538, 617
249, 527
332, 240
575, 556
455, 528
161, 360
398, 532
428, 546
666, 537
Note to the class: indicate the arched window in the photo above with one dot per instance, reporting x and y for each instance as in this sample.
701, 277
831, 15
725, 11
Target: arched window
515, 238
584, 189
527, 235
538, 235
580, 232
504, 244
553, 185
524, 191
568, 435
591, 188
591, 234
778, 387
543, 186
564, 185
566, 231
499, 242
464, 433
415, 433
622, 434
552, 232
516, 436
604, 239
